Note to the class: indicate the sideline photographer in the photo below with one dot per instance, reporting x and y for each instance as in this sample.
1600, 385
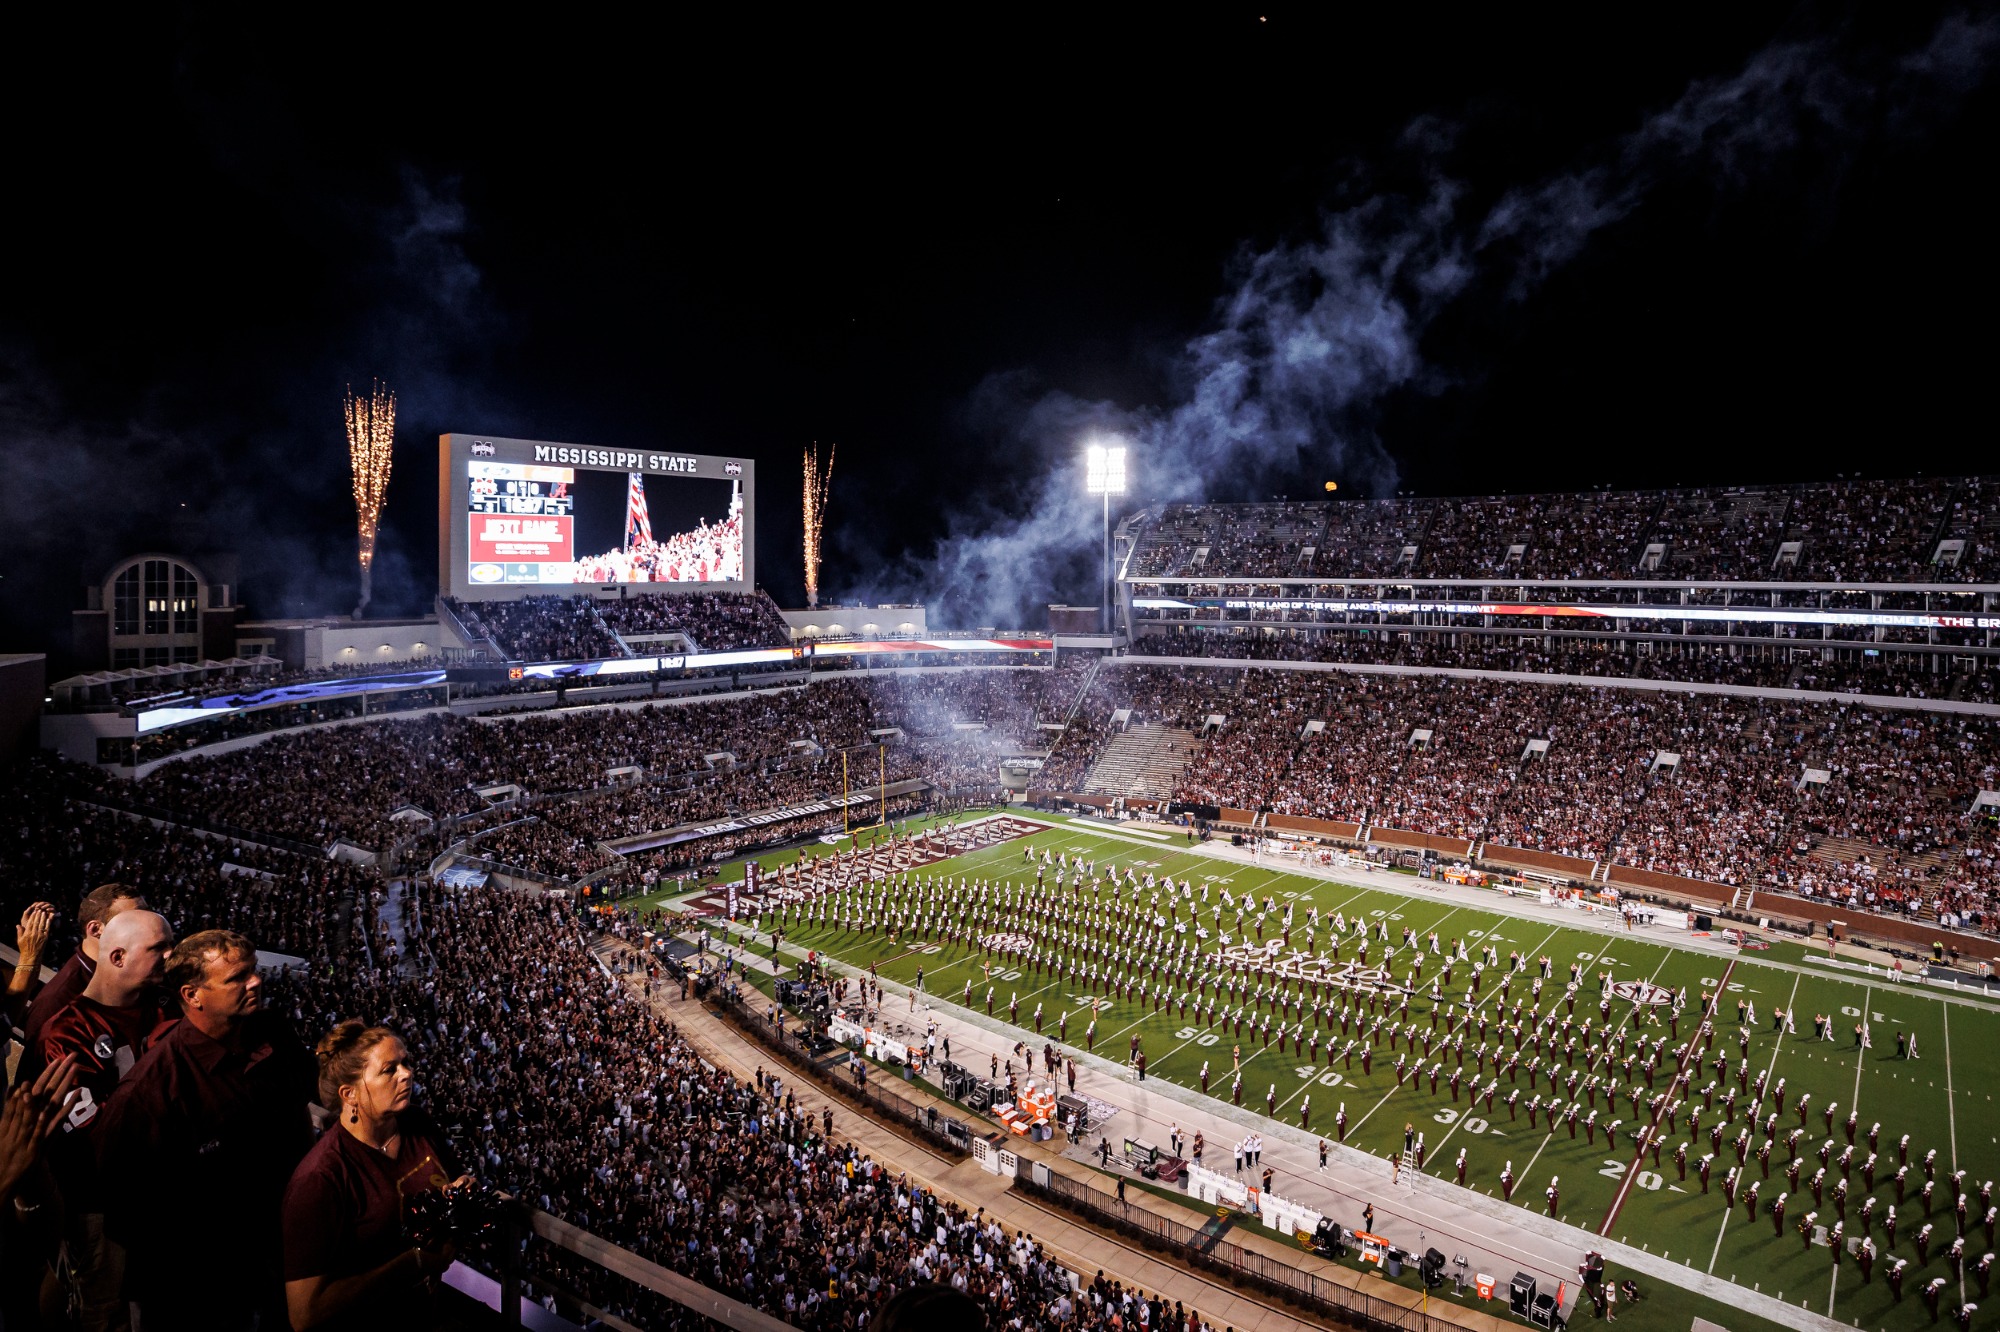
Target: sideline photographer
349, 1262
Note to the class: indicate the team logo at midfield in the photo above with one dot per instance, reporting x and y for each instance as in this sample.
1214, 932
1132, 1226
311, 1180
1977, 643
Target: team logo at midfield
1642, 992
1265, 958
1354, 976
1006, 943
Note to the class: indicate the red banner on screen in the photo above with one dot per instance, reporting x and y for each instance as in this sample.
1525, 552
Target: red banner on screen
503, 539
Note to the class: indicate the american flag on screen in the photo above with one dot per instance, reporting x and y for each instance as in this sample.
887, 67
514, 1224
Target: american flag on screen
638, 527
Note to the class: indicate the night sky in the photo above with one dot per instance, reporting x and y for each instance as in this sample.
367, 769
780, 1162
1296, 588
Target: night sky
1412, 252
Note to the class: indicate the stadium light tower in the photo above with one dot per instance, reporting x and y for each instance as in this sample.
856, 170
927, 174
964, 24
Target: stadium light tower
1104, 474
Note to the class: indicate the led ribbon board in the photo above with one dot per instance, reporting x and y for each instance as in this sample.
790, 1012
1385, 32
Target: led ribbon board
323, 690
1567, 611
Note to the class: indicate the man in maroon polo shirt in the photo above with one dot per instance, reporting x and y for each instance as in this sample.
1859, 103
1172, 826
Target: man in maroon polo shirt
99, 906
106, 1028
218, 1106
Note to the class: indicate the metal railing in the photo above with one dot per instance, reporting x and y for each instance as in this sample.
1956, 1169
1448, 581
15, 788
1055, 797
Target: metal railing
1260, 1273
201, 823
794, 1044
507, 1262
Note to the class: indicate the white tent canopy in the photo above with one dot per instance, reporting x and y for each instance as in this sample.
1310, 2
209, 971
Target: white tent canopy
111, 681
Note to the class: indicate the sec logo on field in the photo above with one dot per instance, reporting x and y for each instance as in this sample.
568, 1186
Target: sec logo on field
486, 573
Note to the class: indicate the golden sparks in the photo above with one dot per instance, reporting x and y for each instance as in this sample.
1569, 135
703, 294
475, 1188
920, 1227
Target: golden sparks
817, 483
371, 439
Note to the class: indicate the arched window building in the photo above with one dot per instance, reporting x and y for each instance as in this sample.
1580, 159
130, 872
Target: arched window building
155, 610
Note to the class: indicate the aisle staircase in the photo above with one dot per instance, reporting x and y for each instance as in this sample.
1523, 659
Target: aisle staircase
1083, 689
624, 648
1846, 850
1144, 761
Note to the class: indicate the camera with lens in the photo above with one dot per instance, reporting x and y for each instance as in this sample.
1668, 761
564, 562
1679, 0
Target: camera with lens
459, 1216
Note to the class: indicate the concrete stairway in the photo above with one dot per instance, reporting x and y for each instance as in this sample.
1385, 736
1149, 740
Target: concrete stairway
1145, 761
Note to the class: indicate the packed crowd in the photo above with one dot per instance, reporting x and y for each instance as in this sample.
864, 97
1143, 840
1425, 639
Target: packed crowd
711, 621
500, 1050
505, 1052
62, 842
1577, 771
705, 554
346, 782
1888, 830
1850, 531
1705, 786
1855, 670
1242, 761
586, 627
553, 628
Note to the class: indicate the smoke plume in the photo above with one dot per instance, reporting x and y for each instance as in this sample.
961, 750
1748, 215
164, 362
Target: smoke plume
1314, 336
257, 467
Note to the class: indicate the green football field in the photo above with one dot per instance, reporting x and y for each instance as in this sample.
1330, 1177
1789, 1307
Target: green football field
1943, 1099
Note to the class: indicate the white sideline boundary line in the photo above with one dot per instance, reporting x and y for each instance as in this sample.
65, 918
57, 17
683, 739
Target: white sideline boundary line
1128, 832
1549, 1137
1776, 1044
1951, 1118
1853, 1107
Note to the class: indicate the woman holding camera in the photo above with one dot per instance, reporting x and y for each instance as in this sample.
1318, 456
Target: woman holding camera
349, 1262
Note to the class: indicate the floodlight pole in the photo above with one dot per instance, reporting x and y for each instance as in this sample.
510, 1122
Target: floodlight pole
1105, 585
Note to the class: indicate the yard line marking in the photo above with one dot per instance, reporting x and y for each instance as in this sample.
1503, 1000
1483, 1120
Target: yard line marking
1680, 1071
1306, 1086
1950, 1105
1776, 1041
1550, 1136
1666, 957
1853, 1107
1101, 830
1951, 1111
1393, 1090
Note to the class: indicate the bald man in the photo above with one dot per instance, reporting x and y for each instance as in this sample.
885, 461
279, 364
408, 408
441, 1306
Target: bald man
107, 1028
99, 907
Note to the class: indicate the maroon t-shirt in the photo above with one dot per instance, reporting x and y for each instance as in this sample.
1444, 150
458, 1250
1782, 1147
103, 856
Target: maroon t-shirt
61, 991
196, 1114
107, 1043
344, 1210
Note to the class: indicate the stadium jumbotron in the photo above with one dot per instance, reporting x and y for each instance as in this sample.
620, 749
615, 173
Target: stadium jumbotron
1242, 844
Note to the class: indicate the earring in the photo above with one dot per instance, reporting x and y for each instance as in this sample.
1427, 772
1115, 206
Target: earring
354, 1116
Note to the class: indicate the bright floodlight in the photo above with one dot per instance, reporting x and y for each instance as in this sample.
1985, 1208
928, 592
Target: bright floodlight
1104, 472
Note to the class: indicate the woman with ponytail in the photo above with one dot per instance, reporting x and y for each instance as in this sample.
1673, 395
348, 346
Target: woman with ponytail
348, 1260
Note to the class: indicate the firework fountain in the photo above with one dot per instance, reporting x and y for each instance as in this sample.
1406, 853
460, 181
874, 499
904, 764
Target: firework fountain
817, 484
371, 438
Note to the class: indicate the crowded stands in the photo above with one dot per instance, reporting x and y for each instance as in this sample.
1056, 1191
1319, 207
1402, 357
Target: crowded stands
1855, 670
437, 764
538, 1074
1924, 530
586, 627
1694, 785
711, 621
541, 628
596, 1111
1701, 786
